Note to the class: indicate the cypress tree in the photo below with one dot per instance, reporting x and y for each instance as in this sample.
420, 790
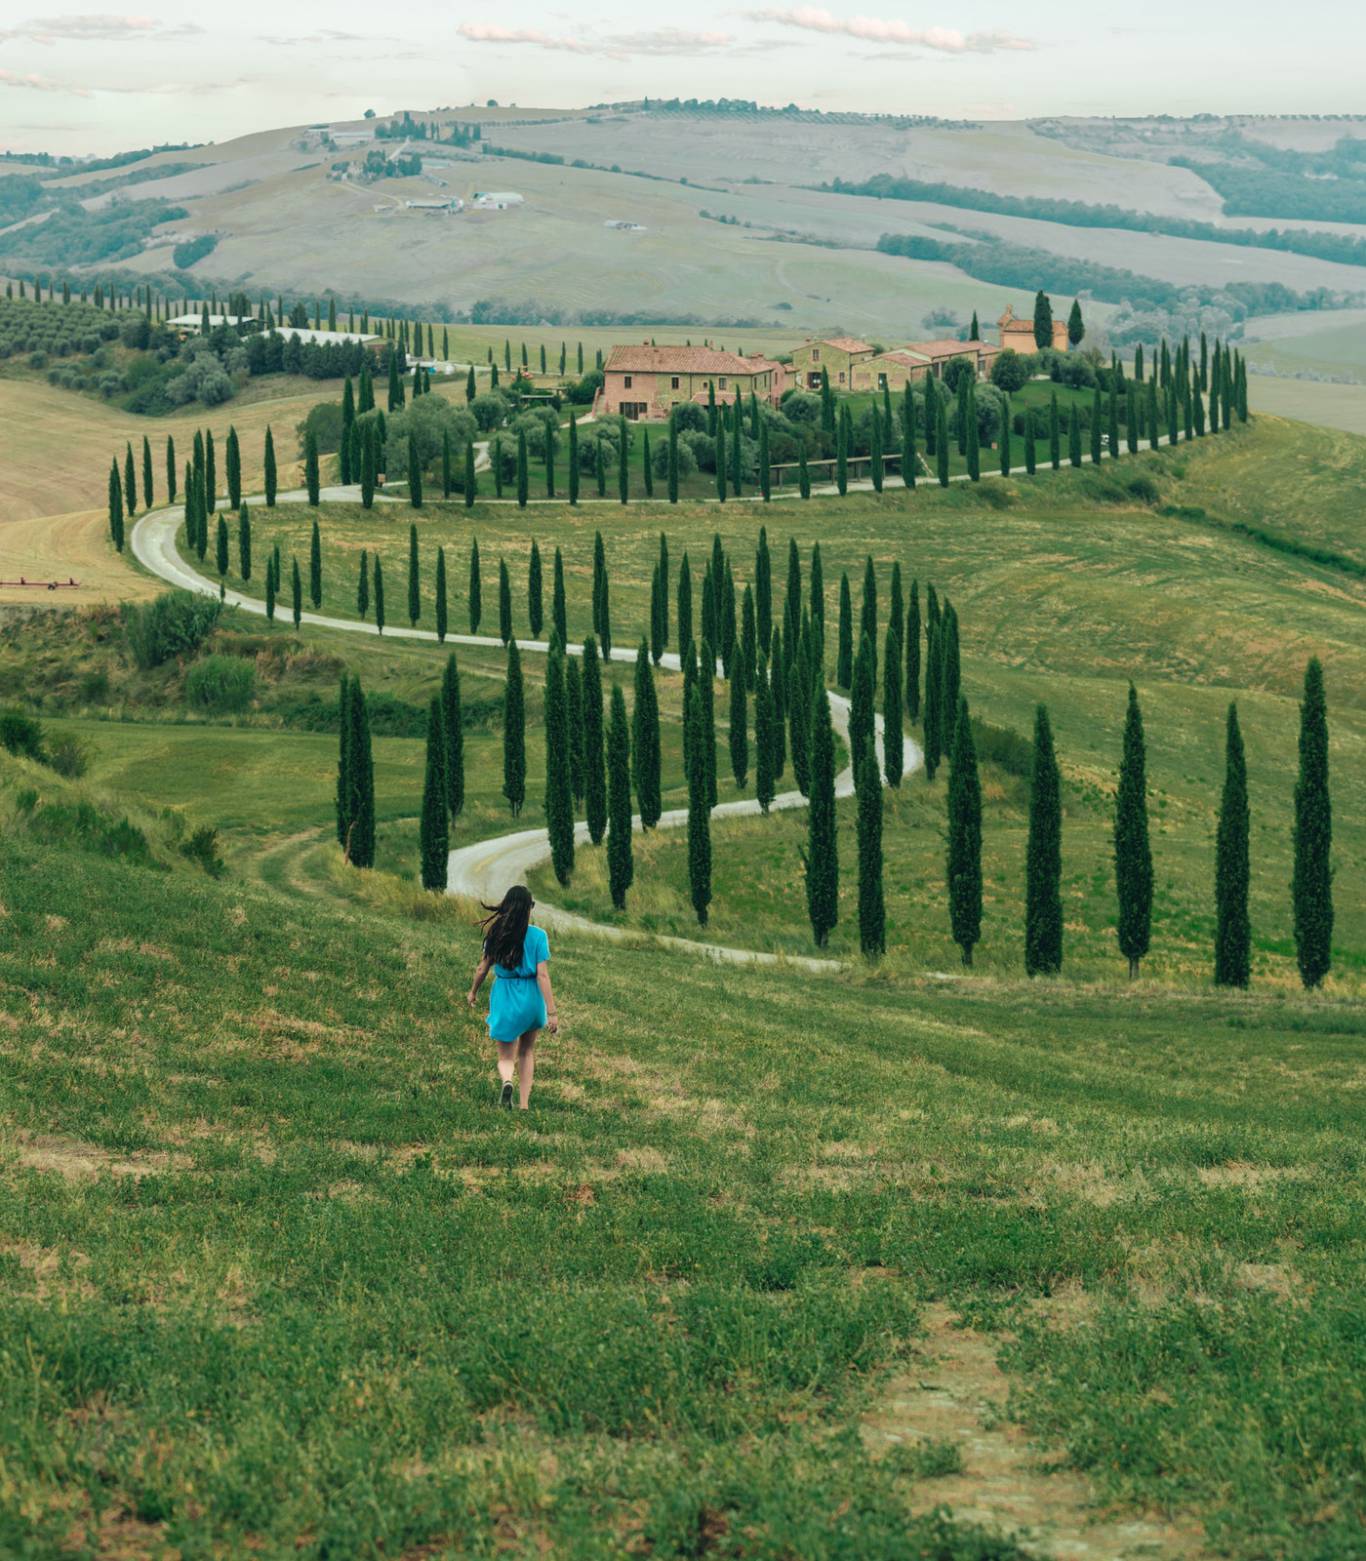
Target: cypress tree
434, 831
822, 851
594, 775
130, 481
699, 810
476, 592
910, 693
1133, 858
1096, 430
932, 724
452, 726
442, 616
749, 636
684, 608
147, 474
514, 732
559, 802
875, 449
721, 460
116, 507
244, 543
314, 564
842, 452
573, 691
673, 458
559, 615
663, 567
1003, 439
1054, 432
893, 745
171, 472
447, 474
941, 441
233, 461
818, 589
523, 477
777, 689
1031, 443
345, 793
656, 599
972, 432
379, 594
312, 480
221, 548
765, 467
504, 602
1076, 327
348, 422
471, 483
861, 721
272, 587
1112, 424
645, 741
361, 767
210, 475
296, 585
872, 909
706, 689
1312, 879
534, 593
739, 727
726, 618
1043, 856
367, 465
1233, 930
1074, 436
414, 475
620, 867
270, 475
909, 458
965, 837
803, 473
363, 585
764, 779
950, 670
844, 655
763, 590
1043, 321
573, 459
602, 606
868, 618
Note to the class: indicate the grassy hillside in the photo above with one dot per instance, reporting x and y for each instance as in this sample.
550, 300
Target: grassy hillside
282, 1280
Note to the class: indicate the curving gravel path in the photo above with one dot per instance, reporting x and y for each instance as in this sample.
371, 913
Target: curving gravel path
484, 869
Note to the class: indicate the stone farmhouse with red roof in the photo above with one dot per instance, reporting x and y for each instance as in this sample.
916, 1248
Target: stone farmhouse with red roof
837, 355
644, 382
1019, 334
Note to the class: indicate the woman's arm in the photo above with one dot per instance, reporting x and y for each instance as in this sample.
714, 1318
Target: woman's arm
552, 1018
480, 971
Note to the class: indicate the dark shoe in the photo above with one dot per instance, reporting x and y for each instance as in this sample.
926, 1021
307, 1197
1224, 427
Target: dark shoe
505, 1097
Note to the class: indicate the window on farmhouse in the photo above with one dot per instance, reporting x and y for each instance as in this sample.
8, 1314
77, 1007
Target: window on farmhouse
627, 381
815, 354
673, 384
720, 384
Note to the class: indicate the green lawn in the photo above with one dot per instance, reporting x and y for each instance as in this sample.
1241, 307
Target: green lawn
279, 1280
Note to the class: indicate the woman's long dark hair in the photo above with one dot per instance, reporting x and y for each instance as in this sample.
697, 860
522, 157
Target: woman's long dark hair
505, 927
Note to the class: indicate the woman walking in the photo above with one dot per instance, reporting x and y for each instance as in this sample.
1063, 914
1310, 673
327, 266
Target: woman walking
522, 1002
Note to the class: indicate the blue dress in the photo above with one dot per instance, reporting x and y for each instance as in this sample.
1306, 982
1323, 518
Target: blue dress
516, 1005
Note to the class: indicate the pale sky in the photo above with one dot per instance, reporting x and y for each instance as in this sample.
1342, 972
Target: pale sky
103, 82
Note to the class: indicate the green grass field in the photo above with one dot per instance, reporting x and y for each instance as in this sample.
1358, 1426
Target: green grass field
859, 1263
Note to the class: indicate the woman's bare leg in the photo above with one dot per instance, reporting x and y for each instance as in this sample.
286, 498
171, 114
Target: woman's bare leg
507, 1061
526, 1064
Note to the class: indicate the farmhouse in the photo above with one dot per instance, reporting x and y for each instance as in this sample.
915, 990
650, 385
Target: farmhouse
890, 370
837, 355
497, 200
191, 324
645, 381
939, 354
327, 338
1019, 334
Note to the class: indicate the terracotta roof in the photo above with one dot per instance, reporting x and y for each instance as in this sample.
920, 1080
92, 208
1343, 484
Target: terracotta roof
843, 343
942, 349
646, 359
901, 355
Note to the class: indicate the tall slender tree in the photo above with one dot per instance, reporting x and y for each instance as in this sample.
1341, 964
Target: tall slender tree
893, 744
270, 472
414, 474
594, 759
699, 810
573, 689
685, 626
739, 725
559, 801
453, 727
315, 563
1133, 856
872, 907
1232, 926
861, 719
504, 602
312, 478
559, 612
706, 689
379, 594
765, 787
296, 589
1312, 877
434, 829
602, 605
471, 482
475, 594
244, 544
116, 507
932, 724
171, 469
534, 592
1043, 856
822, 850
645, 743
514, 732
965, 837
844, 656
911, 689
620, 867
147, 474
442, 603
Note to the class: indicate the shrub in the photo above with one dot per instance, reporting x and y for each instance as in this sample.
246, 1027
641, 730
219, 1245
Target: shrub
221, 683
68, 755
22, 735
324, 422
1010, 372
202, 847
173, 625
1004, 747
1144, 489
582, 394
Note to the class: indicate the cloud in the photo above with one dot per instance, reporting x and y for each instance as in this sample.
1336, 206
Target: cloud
89, 27
325, 35
10, 78
661, 41
872, 29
